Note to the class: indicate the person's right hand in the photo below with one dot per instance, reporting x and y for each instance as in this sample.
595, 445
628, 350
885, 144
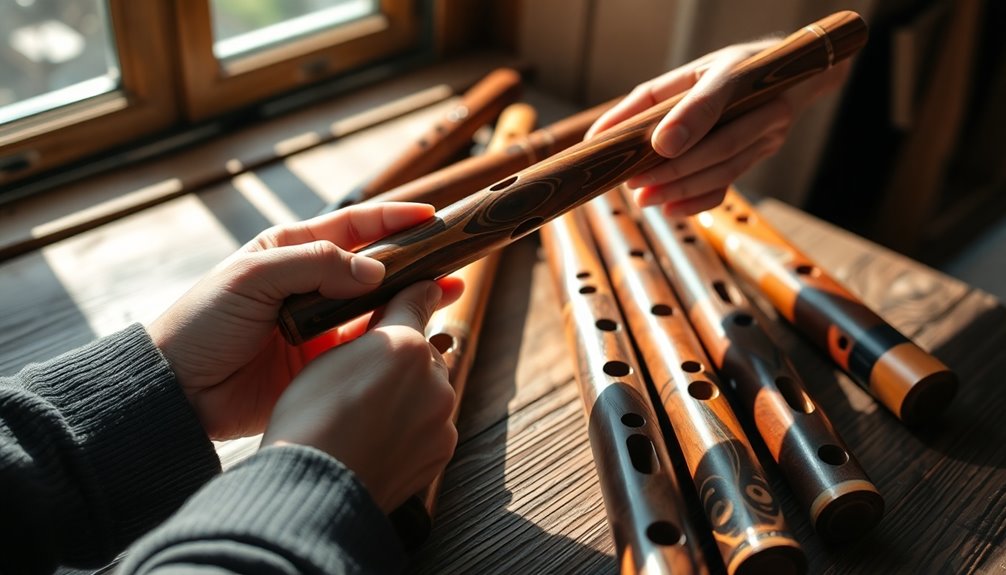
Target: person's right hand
381, 404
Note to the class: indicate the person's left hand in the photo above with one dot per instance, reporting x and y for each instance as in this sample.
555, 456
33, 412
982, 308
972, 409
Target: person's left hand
221, 338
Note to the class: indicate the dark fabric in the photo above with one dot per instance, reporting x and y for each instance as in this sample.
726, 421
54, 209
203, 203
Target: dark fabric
99, 446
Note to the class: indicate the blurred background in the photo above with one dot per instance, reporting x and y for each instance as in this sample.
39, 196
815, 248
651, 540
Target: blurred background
911, 153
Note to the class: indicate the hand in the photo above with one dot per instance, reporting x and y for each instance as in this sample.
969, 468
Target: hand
381, 404
221, 338
703, 163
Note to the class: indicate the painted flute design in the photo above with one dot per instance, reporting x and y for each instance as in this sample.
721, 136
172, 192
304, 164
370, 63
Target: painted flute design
516, 206
822, 472
746, 516
911, 383
642, 498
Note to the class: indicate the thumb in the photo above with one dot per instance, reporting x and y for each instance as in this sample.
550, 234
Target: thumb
316, 266
413, 306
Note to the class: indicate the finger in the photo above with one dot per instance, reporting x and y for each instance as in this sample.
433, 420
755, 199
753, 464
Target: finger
646, 95
452, 288
316, 266
694, 205
710, 179
349, 228
721, 144
413, 306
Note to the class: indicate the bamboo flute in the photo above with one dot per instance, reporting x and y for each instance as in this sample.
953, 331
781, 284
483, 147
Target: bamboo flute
911, 383
454, 182
454, 330
512, 208
823, 473
746, 516
646, 512
478, 106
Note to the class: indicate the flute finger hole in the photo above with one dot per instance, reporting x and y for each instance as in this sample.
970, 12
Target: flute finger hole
606, 325
728, 207
423, 143
807, 270
743, 219
588, 290
832, 454
702, 390
633, 420
743, 319
642, 454
689, 239
582, 275
443, 342
617, 368
637, 253
664, 533
681, 226
843, 343
794, 396
616, 212
691, 366
721, 290
661, 309
527, 226
503, 185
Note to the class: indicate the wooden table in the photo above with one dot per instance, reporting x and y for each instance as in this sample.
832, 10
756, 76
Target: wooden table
521, 495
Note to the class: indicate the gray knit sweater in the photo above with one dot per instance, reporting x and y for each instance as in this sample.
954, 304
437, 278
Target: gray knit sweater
99, 446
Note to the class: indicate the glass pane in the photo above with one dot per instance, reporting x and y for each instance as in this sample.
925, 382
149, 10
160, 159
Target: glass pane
53, 53
243, 26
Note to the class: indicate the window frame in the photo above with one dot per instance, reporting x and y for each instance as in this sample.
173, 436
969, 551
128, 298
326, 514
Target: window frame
211, 87
143, 103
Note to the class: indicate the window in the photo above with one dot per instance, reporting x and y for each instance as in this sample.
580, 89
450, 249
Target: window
85, 76
236, 52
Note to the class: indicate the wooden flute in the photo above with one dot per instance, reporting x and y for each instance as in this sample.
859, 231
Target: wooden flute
822, 472
479, 106
911, 383
454, 182
746, 516
516, 206
646, 512
454, 331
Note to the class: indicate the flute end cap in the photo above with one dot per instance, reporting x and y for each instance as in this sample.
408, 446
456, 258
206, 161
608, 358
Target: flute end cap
853, 509
929, 398
784, 558
847, 32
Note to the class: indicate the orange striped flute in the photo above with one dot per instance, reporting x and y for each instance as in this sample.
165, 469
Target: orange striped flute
746, 517
444, 139
822, 472
911, 383
642, 498
512, 208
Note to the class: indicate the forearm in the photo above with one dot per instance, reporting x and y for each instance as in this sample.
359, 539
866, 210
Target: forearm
285, 510
96, 447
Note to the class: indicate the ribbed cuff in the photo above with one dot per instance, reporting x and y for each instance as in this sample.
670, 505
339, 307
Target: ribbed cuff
296, 503
143, 451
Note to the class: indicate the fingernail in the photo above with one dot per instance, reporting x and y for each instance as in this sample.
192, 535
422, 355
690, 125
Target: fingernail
366, 270
671, 142
433, 294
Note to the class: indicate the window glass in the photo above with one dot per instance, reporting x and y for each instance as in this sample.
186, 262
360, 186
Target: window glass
244, 26
53, 53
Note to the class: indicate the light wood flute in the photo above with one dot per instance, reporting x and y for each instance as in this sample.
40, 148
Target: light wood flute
510, 209
746, 516
454, 331
822, 472
911, 383
645, 509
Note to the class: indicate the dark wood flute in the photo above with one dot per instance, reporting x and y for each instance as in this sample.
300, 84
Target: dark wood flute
822, 472
479, 106
911, 383
642, 498
516, 206
746, 516
454, 330
456, 181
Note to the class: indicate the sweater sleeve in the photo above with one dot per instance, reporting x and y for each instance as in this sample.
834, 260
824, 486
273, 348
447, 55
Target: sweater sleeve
285, 510
96, 448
